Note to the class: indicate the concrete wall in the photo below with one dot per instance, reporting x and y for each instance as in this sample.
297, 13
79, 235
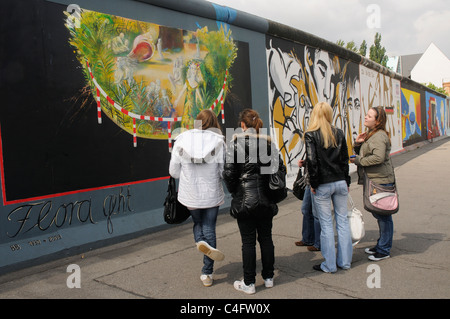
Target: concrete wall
88, 114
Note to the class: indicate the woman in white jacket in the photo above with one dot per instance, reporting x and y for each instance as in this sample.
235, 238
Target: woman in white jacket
197, 160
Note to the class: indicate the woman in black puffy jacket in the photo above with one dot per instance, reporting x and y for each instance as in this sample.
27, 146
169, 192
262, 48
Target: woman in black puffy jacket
251, 158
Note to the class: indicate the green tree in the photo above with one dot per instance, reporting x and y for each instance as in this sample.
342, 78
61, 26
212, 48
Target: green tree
437, 89
363, 48
377, 52
340, 43
351, 46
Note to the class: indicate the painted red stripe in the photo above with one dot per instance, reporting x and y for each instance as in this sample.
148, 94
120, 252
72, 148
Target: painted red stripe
110, 100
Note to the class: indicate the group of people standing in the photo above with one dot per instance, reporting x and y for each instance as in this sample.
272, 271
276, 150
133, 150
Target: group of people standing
202, 160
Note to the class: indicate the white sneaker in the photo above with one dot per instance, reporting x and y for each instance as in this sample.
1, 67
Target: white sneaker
209, 251
268, 282
241, 286
207, 280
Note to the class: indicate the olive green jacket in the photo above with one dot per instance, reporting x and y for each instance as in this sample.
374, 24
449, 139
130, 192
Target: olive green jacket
374, 157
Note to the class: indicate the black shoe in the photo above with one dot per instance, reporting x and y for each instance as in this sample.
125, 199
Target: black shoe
318, 268
370, 251
378, 256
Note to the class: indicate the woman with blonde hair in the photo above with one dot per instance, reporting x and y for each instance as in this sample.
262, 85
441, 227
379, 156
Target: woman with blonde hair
327, 165
198, 159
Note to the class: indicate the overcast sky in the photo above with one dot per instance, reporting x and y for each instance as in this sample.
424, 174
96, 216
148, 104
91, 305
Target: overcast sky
406, 27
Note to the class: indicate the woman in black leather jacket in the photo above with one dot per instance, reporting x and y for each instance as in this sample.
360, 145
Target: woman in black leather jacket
327, 165
250, 160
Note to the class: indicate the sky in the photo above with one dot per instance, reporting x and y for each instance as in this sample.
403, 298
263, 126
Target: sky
406, 26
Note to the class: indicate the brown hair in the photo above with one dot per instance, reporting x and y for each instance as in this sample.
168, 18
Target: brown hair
209, 119
251, 119
380, 122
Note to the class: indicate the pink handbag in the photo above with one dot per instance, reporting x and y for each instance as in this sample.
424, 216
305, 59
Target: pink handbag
380, 199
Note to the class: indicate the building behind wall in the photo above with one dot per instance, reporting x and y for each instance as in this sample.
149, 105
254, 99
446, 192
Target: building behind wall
432, 66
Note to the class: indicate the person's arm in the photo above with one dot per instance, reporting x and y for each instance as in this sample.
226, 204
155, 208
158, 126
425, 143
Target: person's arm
311, 161
376, 152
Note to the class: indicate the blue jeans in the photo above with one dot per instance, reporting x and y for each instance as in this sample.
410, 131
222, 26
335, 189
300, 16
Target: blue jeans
336, 193
311, 225
205, 229
386, 227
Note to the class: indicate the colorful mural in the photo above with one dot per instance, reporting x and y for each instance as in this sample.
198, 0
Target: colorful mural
299, 77
149, 79
411, 116
447, 115
435, 106
381, 90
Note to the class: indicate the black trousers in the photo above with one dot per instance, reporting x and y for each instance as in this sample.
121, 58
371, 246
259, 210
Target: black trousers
252, 229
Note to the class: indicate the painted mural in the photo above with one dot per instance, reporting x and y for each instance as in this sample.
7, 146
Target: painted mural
381, 90
447, 115
299, 77
411, 116
150, 79
435, 110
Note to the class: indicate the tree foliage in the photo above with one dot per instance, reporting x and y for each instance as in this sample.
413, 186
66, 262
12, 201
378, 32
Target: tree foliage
437, 89
377, 52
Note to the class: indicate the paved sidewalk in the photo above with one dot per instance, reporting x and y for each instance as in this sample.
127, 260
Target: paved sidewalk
166, 264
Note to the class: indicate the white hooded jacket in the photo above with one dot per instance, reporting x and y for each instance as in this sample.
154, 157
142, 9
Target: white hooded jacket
197, 160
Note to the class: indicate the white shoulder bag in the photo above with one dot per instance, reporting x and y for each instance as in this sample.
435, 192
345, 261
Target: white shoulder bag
356, 222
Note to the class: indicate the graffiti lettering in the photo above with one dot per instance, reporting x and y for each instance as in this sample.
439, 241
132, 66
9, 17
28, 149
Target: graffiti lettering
115, 205
42, 216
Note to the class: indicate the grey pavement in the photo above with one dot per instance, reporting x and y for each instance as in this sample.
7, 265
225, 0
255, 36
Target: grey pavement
166, 265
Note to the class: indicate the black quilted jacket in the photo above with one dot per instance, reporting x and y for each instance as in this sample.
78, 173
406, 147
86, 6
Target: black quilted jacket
246, 175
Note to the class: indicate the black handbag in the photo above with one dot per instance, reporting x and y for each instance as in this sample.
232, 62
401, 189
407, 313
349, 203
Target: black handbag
299, 186
277, 183
298, 189
174, 211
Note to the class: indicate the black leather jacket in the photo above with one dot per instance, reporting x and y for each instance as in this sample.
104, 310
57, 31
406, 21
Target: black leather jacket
326, 165
246, 175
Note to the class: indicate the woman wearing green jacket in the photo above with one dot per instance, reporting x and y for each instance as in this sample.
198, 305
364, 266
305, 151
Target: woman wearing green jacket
373, 148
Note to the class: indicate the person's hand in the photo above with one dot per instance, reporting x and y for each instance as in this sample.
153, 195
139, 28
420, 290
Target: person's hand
301, 163
360, 138
352, 160
313, 191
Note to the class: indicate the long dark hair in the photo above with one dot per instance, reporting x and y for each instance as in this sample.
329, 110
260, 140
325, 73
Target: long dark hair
380, 122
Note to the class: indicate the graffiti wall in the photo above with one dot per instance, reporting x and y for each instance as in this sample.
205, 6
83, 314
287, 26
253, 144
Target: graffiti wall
413, 115
447, 115
299, 77
92, 101
89, 118
381, 90
435, 112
